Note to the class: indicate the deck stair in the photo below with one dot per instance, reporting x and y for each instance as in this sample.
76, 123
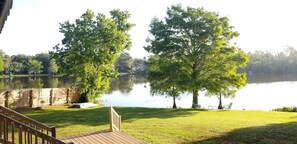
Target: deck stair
111, 136
16, 128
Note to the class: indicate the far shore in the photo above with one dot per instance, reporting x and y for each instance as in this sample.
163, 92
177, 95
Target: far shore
29, 75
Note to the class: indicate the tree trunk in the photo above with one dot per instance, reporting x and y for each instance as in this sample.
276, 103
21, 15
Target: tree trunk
174, 104
195, 99
220, 102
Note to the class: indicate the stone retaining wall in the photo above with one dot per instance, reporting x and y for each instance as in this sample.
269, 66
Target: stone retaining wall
38, 97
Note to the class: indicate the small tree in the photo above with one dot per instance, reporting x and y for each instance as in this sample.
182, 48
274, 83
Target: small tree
139, 66
45, 59
124, 62
163, 75
7, 64
34, 66
225, 80
16, 67
90, 48
53, 67
2, 64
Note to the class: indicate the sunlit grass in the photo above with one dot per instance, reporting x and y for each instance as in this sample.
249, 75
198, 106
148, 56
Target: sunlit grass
153, 125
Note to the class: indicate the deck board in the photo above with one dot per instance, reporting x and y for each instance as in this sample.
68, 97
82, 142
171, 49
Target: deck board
102, 137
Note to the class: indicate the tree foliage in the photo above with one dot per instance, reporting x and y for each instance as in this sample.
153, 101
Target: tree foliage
124, 63
164, 77
198, 40
34, 66
53, 67
139, 66
20, 62
90, 48
1, 60
16, 67
45, 59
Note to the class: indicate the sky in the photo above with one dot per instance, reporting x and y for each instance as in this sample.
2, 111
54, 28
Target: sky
33, 25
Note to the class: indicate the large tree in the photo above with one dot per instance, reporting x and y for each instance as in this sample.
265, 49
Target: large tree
90, 48
197, 39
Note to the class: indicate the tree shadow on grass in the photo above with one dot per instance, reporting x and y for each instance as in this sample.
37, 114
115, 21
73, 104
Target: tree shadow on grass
133, 113
69, 117
100, 116
285, 133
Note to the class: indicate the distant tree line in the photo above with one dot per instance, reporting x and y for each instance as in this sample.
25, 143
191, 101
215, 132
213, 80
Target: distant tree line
42, 63
126, 64
284, 62
25, 64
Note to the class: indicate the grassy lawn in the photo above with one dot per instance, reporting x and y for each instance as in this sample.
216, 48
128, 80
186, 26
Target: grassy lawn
153, 125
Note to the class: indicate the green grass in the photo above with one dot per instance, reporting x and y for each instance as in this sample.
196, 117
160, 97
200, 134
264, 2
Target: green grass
153, 125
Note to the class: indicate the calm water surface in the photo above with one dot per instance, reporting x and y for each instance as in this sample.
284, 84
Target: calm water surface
262, 92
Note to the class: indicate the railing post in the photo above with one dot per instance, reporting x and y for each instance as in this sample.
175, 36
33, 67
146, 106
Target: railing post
53, 132
51, 97
31, 98
120, 122
5, 130
6, 97
20, 134
67, 95
110, 119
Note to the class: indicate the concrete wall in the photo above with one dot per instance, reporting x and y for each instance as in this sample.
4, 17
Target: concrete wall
38, 97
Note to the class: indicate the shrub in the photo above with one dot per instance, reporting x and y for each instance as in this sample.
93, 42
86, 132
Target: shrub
286, 109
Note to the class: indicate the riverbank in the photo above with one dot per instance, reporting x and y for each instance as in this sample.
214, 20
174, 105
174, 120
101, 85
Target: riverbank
30, 75
154, 125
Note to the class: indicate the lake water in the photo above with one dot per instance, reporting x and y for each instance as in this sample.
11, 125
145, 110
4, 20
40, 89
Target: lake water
262, 92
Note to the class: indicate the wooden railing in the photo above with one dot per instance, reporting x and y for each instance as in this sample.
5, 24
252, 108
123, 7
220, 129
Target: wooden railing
16, 128
15, 132
28, 121
114, 120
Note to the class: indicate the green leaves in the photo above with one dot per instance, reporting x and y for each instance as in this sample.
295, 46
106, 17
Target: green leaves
198, 41
90, 48
34, 66
53, 67
164, 76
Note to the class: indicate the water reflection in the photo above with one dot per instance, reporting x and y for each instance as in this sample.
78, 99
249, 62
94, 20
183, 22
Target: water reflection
34, 82
262, 78
124, 84
262, 92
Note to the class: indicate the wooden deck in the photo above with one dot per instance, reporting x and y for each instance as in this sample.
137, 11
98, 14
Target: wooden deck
102, 137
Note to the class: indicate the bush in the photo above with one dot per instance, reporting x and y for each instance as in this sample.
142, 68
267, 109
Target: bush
286, 109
